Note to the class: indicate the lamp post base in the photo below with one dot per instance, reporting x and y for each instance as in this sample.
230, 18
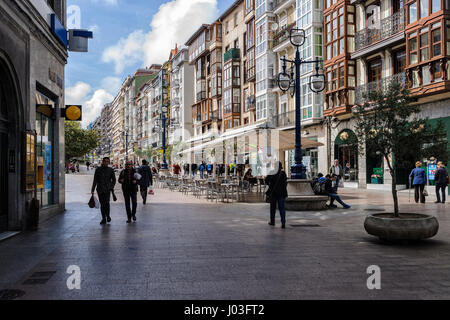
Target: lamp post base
302, 198
298, 171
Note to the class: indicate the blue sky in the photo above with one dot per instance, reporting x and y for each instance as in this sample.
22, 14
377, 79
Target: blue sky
128, 34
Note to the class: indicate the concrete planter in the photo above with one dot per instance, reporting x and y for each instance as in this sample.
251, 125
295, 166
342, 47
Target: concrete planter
302, 198
409, 226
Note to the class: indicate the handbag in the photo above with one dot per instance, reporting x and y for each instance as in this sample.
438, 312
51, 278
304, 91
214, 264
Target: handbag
91, 202
341, 183
425, 192
151, 192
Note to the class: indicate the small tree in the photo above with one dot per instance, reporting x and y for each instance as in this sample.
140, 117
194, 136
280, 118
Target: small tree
387, 124
78, 141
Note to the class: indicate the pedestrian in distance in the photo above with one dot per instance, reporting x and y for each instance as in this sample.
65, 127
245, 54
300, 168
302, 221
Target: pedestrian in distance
441, 180
146, 179
336, 169
202, 169
419, 180
104, 180
329, 190
129, 189
87, 165
277, 194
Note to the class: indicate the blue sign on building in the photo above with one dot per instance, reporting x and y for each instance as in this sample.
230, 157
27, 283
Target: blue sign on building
59, 30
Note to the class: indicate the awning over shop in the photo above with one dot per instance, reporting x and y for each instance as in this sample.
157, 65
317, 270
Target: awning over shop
285, 140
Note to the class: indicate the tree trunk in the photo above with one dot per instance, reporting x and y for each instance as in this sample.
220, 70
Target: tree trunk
394, 186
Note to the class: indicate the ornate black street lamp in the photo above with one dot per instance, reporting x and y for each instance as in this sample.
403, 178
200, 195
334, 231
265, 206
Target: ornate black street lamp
286, 81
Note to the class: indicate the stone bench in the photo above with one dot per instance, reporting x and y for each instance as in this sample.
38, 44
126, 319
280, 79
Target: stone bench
306, 202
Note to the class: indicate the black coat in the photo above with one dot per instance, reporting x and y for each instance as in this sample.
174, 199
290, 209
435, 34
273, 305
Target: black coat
104, 180
277, 185
129, 185
147, 178
441, 177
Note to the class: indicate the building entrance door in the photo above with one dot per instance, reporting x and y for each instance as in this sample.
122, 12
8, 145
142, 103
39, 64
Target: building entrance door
3, 160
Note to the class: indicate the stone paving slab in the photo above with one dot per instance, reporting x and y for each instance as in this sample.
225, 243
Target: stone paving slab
183, 247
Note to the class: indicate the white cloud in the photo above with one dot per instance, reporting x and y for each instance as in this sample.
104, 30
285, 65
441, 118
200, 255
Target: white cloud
78, 93
174, 23
126, 52
93, 107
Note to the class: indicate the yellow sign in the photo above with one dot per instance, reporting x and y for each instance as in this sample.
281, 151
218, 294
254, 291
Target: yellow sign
73, 113
161, 151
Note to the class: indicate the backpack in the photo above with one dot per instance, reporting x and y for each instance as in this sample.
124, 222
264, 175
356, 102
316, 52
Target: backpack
319, 188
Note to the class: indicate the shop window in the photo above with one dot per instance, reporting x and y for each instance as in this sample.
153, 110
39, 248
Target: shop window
448, 38
44, 151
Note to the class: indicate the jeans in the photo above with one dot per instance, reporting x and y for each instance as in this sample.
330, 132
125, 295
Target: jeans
201, 174
104, 199
144, 193
333, 197
418, 193
130, 195
281, 206
442, 188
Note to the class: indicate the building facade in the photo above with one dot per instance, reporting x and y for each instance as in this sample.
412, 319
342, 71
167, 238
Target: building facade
32, 61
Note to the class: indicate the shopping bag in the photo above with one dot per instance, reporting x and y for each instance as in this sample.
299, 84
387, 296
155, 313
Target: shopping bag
91, 202
341, 183
97, 203
151, 192
425, 192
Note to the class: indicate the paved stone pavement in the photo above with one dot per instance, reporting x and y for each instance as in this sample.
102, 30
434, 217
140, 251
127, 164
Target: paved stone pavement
187, 248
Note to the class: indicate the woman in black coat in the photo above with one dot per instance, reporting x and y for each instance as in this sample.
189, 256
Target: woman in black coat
277, 193
441, 180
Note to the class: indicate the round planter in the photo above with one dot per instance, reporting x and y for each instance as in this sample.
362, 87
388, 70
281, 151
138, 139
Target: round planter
409, 226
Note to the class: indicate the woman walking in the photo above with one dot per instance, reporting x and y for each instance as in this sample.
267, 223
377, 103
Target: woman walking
129, 189
419, 180
277, 193
441, 180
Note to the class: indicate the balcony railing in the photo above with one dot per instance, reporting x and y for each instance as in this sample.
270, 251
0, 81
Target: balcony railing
283, 34
279, 3
233, 53
387, 27
382, 84
285, 119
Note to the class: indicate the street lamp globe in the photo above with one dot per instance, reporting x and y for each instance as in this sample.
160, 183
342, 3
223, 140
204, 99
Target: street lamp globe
297, 37
284, 81
292, 88
317, 82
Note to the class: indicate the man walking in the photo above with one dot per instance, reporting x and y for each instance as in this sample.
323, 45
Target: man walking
336, 169
129, 189
146, 179
104, 180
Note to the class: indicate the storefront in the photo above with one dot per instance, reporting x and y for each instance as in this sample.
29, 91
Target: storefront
346, 151
45, 149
